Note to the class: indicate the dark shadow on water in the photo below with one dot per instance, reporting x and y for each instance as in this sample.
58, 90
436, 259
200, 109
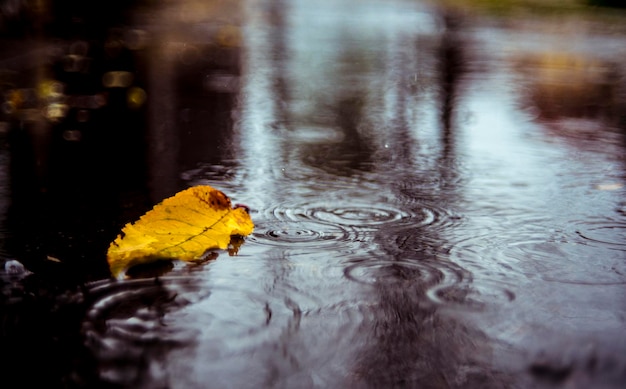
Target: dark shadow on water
40, 334
414, 343
417, 346
450, 65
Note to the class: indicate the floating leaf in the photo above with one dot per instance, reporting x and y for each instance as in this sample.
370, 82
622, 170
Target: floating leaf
184, 227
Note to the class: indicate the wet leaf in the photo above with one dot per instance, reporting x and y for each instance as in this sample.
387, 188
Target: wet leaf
183, 227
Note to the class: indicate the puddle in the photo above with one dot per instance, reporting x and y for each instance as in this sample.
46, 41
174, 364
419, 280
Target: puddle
433, 205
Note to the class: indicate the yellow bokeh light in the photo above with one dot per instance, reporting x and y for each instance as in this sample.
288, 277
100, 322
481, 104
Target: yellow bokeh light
117, 79
135, 97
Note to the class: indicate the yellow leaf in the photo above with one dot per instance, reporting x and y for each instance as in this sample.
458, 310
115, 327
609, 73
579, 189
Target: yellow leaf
183, 227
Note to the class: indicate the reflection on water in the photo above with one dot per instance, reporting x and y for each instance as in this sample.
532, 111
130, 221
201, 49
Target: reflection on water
438, 202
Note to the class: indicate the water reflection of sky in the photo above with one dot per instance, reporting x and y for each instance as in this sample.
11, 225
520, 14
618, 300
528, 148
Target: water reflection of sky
520, 197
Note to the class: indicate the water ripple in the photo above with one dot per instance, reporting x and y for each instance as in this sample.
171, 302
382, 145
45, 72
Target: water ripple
485, 292
389, 271
609, 234
132, 325
285, 226
299, 233
362, 215
315, 224
441, 282
531, 257
377, 215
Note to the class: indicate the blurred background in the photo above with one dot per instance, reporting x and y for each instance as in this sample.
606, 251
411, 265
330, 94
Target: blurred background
105, 104
102, 104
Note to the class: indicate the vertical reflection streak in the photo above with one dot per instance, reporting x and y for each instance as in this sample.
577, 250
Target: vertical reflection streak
260, 146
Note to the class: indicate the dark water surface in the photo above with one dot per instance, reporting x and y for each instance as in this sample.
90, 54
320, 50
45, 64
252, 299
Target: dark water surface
439, 201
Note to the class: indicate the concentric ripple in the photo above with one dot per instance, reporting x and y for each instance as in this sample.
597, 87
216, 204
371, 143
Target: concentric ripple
321, 225
133, 325
362, 216
292, 227
376, 215
488, 292
608, 235
554, 260
299, 233
128, 323
381, 271
440, 281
